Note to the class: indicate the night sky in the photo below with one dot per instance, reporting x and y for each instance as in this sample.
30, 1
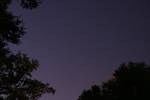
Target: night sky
80, 42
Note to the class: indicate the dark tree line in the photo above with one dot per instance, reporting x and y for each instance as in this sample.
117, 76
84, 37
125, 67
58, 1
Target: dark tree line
130, 82
16, 81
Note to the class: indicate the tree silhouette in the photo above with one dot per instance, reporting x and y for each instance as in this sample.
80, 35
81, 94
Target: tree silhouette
16, 81
130, 81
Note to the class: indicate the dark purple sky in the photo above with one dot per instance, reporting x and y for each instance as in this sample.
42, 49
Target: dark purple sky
80, 42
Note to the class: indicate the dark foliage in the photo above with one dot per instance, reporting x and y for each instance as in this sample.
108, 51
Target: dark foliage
30, 4
16, 82
130, 81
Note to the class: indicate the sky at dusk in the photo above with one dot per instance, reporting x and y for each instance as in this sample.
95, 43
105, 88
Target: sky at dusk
80, 42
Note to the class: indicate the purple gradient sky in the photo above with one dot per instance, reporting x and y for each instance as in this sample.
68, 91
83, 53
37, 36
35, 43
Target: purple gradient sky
80, 42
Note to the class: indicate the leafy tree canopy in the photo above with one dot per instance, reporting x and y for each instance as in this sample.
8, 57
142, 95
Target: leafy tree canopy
130, 81
16, 81
11, 26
